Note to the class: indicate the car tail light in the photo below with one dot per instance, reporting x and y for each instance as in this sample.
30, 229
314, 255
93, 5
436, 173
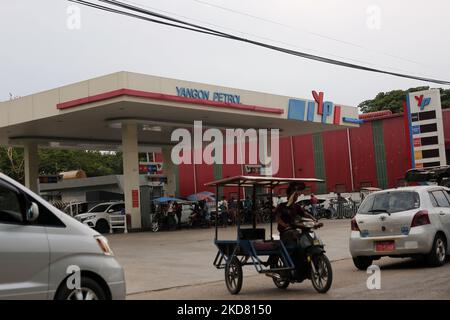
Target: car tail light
354, 225
420, 218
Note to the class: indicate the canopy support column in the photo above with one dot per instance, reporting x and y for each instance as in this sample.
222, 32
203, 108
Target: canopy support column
131, 173
31, 164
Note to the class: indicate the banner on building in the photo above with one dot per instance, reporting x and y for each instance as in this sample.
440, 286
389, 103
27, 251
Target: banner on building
150, 167
425, 128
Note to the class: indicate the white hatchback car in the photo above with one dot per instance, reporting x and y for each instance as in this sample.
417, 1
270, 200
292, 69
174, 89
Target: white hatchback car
46, 254
402, 222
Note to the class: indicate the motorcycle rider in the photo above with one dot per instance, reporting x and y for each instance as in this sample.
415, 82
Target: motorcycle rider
286, 214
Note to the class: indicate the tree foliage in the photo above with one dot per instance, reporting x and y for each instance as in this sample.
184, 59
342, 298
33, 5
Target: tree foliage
393, 100
54, 161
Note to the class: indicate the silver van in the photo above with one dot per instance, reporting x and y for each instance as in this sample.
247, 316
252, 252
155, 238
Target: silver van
46, 254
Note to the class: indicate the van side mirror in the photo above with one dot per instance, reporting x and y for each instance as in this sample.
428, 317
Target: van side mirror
33, 212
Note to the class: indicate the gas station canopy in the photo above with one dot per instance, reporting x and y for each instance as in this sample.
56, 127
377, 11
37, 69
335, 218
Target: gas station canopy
88, 114
134, 112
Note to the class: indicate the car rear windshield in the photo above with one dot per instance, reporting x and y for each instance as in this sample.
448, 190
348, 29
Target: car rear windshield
390, 202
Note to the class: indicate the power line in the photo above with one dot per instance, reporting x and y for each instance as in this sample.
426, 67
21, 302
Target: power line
261, 37
320, 35
177, 23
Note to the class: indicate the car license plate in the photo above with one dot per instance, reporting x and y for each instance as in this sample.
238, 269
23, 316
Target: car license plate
385, 245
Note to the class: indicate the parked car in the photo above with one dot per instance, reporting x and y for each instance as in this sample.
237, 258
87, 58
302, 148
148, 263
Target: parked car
75, 208
40, 247
98, 216
402, 222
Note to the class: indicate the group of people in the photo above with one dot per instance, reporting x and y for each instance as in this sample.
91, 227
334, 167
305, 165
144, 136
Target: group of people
172, 210
202, 213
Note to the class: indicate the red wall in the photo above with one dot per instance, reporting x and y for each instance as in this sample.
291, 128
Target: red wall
336, 157
395, 145
363, 159
303, 157
337, 160
285, 159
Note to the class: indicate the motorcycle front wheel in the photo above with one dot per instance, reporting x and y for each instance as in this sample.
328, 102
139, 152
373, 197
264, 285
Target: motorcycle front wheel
321, 273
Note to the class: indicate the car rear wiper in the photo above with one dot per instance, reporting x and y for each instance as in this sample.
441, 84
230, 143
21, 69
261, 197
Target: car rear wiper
380, 211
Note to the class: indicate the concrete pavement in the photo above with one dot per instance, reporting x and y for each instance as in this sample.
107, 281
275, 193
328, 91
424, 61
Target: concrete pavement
155, 261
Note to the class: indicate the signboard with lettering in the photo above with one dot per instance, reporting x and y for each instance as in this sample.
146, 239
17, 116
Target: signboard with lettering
150, 167
326, 111
425, 129
202, 94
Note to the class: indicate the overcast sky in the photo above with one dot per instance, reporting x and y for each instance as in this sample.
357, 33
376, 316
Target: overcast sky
40, 52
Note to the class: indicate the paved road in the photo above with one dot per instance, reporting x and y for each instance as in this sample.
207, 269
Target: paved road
154, 261
178, 265
400, 279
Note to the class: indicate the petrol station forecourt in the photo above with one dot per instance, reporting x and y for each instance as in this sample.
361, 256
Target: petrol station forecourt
135, 113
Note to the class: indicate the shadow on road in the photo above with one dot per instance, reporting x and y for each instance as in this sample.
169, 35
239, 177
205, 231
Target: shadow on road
405, 263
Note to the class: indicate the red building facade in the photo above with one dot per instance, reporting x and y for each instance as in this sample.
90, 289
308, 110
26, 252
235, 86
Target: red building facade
375, 154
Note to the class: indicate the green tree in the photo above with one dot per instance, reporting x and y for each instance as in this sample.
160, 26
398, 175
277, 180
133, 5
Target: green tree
54, 161
11, 163
393, 100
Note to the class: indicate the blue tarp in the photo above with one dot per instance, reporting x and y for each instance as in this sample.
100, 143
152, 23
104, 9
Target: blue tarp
167, 199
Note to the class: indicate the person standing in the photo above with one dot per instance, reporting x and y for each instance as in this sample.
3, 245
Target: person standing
171, 215
314, 203
178, 212
247, 209
223, 206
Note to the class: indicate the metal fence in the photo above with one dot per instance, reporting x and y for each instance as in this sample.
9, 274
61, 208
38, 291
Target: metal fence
343, 210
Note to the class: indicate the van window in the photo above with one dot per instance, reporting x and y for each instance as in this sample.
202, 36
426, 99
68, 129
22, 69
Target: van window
390, 202
46, 217
10, 206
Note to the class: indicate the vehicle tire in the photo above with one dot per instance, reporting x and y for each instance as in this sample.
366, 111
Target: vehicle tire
102, 226
436, 257
362, 263
279, 283
155, 226
89, 290
321, 273
233, 275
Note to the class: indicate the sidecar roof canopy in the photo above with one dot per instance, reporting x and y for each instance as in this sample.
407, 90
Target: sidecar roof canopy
250, 181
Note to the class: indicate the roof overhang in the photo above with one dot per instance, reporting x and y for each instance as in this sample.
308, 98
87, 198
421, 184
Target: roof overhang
88, 114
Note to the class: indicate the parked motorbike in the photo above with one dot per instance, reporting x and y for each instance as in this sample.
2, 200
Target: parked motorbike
163, 221
313, 264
